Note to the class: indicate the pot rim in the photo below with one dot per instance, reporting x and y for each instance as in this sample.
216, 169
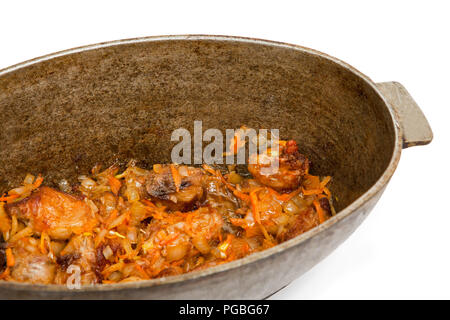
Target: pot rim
373, 190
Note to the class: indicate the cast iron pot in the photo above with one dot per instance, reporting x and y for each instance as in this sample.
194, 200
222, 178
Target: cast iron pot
63, 113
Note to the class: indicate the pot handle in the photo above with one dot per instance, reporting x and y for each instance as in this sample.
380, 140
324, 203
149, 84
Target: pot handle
415, 127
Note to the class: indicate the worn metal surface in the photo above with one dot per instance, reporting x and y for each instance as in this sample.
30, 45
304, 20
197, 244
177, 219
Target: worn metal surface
63, 113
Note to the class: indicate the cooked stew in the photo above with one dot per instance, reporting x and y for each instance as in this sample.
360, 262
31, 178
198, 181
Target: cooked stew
141, 224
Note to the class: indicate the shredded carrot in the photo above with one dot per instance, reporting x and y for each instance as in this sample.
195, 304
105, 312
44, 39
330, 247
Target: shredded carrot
177, 263
99, 238
312, 185
176, 177
255, 211
159, 215
141, 270
235, 140
239, 223
37, 183
188, 225
156, 212
115, 267
209, 169
112, 217
219, 175
311, 191
235, 191
5, 273
254, 203
108, 282
5, 222
115, 184
119, 220
241, 196
325, 181
10, 261
285, 196
288, 196
148, 203
320, 212
275, 193
265, 233
9, 198
169, 239
327, 192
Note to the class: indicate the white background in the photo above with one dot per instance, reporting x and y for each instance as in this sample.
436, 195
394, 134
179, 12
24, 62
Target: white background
402, 249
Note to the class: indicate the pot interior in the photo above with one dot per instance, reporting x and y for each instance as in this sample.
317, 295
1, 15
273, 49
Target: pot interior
62, 116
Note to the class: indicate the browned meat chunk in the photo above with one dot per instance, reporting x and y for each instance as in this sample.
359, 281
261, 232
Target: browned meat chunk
301, 223
30, 264
292, 167
79, 252
179, 190
57, 213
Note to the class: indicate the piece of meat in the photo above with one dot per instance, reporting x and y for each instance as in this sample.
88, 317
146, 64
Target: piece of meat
292, 166
206, 222
30, 264
101, 261
80, 252
301, 223
220, 198
57, 213
66, 260
161, 187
